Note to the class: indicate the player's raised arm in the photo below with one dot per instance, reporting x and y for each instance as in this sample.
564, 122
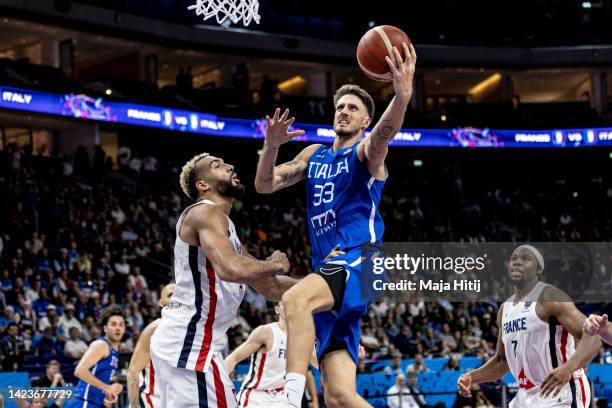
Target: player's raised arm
211, 226
558, 304
375, 145
259, 338
269, 177
140, 358
492, 370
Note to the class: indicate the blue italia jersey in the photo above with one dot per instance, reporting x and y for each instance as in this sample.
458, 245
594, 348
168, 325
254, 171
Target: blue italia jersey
103, 371
343, 202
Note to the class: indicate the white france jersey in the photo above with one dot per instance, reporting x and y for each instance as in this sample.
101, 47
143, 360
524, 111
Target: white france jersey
267, 370
194, 324
149, 391
535, 347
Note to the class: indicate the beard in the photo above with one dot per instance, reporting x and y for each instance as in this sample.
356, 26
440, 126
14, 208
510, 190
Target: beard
346, 132
228, 189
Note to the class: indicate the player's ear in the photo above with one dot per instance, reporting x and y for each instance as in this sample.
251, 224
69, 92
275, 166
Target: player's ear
202, 186
366, 122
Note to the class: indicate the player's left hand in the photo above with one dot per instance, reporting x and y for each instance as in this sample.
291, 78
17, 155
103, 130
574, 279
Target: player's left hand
403, 70
334, 253
555, 380
361, 354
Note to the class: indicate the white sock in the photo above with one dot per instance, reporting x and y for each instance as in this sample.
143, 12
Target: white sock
294, 388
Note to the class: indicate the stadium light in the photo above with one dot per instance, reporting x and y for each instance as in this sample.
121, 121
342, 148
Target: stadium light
108, 91
586, 4
417, 163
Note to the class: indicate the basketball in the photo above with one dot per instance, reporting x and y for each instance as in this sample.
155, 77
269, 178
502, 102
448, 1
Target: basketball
374, 46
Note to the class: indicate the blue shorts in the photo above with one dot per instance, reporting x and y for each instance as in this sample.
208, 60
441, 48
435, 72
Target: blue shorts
340, 329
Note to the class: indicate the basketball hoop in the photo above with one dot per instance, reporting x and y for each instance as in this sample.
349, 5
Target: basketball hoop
235, 10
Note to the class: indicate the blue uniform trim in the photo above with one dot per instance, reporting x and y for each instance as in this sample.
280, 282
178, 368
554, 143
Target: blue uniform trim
191, 327
202, 392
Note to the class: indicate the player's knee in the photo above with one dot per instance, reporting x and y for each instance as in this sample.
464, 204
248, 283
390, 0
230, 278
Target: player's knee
339, 397
294, 303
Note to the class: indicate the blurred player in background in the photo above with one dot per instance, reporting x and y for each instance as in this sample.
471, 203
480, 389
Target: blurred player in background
538, 325
210, 270
344, 184
98, 365
147, 395
267, 347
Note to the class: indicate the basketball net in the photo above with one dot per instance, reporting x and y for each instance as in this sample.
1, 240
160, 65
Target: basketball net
235, 10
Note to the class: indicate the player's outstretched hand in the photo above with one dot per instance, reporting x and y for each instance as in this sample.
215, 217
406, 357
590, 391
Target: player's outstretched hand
403, 70
595, 325
334, 253
555, 381
464, 383
277, 128
281, 261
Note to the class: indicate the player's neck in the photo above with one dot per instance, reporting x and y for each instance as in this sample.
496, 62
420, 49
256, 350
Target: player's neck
225, 203
282, 325
523, 290
114, 344
342, 142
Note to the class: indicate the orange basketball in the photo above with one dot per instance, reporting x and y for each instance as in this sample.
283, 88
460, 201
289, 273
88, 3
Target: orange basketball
375, 45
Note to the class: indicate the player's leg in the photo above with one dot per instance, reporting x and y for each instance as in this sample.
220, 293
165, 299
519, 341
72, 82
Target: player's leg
312, 294
338, 371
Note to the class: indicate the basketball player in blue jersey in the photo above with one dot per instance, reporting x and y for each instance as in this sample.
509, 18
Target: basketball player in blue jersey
98, 365
344, 183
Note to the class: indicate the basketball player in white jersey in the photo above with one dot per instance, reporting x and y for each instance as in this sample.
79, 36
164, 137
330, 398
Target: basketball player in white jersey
210, 270
141, 360
267, 347
538, 325
599, 326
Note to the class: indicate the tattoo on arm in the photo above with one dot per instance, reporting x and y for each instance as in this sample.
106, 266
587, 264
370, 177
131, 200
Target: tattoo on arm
292, 172
385, 132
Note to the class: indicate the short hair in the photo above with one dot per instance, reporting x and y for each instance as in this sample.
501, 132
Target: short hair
52, 363
110, 312
188, 178
359, 92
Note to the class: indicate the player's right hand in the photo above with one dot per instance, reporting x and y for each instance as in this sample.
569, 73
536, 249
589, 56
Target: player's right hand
281, 261
595, 325
464, 383
114, 389
277, 129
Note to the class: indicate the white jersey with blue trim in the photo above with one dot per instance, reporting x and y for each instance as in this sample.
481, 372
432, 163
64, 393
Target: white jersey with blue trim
343, 202
194, 324
535, 347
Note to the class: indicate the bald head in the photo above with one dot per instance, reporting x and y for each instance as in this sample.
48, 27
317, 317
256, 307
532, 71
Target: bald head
166, 294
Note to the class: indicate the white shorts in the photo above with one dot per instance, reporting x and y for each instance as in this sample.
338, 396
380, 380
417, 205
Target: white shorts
150, 400
253, 398
182, 388
580, 392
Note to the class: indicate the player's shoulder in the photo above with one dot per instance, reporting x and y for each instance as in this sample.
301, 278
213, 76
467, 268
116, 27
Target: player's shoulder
552, 294
309, 150
100, 347
265, 330
203, 215
150, 329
